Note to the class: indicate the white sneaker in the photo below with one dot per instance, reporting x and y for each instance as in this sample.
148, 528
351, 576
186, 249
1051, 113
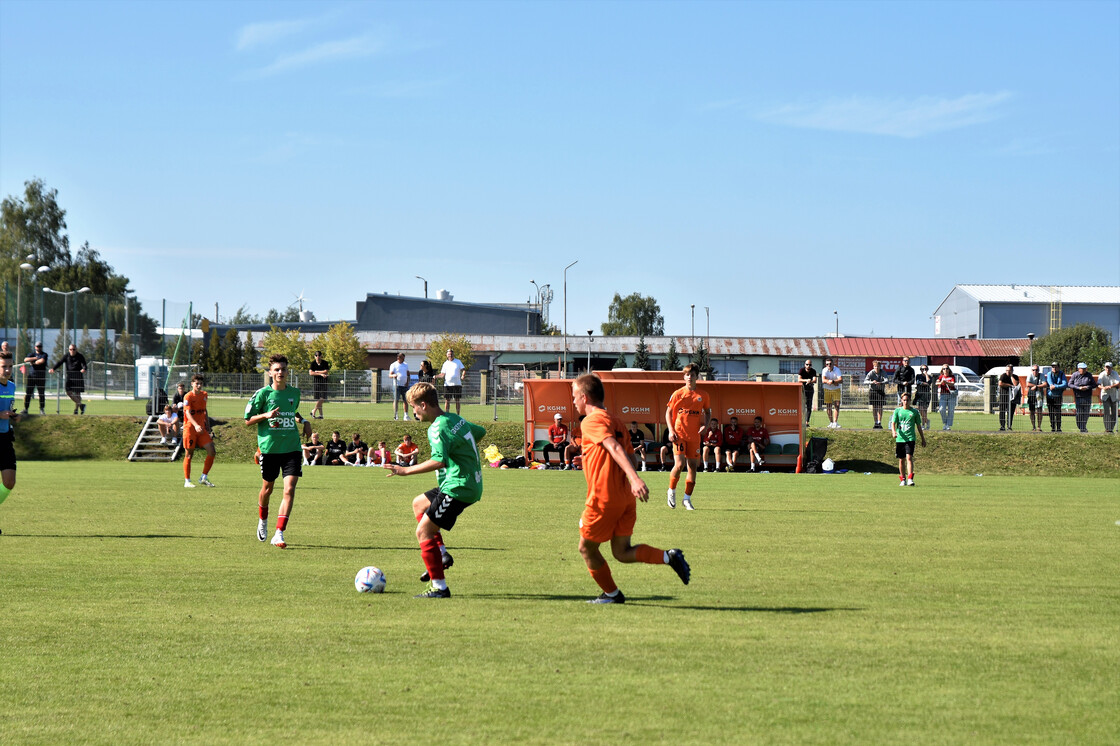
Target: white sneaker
901, 482
205, 481
174, 441
909, 482
395, 417
688, 504
672, 495
262, 530
407, 418
189, 484
278, 540
163, 441
643, 466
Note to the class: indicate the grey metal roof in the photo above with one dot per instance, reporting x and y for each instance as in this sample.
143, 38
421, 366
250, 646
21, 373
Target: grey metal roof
719, 346
1087, 294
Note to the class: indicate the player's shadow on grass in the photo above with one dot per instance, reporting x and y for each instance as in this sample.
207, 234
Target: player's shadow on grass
114, 536
409, 547
644, 601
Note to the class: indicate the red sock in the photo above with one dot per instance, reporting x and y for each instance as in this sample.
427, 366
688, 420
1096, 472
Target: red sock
688, 488
650, 555
673, 482
262, 511
187, 465
207, 464
603, 578
439, 541
281, 522
433, 561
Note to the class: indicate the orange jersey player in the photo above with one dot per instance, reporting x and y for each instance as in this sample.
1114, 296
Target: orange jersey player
686, 418
613, 489
196, 431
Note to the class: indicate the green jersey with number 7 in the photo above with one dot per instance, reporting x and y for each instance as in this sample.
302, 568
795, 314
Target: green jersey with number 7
454, 442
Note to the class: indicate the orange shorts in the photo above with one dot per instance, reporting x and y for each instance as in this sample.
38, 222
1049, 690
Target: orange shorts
601, 523
192, 440
687, 448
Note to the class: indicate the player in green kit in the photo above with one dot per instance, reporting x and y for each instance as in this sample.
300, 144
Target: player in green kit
906, 427
454, 456
274, 409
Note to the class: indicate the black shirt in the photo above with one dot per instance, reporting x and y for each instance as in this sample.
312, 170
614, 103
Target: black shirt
808, 377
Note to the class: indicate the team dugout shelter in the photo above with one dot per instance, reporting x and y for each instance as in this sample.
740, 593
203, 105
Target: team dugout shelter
641, 396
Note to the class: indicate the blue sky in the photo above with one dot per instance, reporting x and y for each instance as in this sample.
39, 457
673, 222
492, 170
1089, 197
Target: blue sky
771, 161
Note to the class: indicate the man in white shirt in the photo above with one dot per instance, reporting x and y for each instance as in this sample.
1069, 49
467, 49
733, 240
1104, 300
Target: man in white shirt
1109, 381
398, 371
831, 380
453, 372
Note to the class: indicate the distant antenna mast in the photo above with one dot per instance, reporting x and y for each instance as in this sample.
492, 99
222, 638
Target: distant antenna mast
1055, 308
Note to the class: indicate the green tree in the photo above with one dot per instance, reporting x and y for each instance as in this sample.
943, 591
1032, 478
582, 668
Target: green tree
641, 355
340, 347
85, 344
34, 224
621, 361
459, 345
124, 354
287, 342
249, 354
242, 317
231, 351
289, 315
672, 360
216, 355
700, 357
634, 315
1081, 343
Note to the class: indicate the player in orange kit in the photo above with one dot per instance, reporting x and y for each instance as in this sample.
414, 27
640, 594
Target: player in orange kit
613, 489
196, 431
686, 417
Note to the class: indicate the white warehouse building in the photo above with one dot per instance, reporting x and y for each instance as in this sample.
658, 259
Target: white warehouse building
1014, 311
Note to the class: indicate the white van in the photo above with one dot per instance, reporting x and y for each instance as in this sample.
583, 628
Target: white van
1023, 371
968, 382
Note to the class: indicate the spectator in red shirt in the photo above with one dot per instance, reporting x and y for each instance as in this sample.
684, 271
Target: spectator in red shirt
558, 441
732, 442
758, 437
713, 443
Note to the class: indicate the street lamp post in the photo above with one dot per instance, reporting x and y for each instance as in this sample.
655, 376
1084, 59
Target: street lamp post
565, 371
418, 277
589, 333
66, 305
837, 315
1030, 336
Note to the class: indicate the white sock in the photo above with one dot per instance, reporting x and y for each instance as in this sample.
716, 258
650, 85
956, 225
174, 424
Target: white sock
203, 477
665, 557
439, 584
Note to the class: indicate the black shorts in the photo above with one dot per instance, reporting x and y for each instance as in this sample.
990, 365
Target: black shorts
456, 391
902, 450
445, 509
1035, 405
273, 464
320, 388
7, 451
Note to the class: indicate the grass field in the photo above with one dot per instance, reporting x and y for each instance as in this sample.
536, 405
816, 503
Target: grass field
828, 609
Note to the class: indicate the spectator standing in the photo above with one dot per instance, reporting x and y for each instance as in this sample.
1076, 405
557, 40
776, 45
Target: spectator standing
732, 442
876, 392
831, 381
398, 371
73, 364
1008, 397
1036, 392
1056, 383
453, 373
904, 378
320, 371
1082, 385
36, 378
557, 441
923, 394
1109, 382
947, 396
426, 373
808, 378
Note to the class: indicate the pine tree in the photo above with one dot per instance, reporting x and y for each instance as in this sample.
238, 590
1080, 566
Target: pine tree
249, 354
231, 352
672, 360
641, 355
621, 361
216, 355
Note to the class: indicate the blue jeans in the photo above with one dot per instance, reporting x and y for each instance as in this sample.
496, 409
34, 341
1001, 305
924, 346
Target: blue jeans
948, 408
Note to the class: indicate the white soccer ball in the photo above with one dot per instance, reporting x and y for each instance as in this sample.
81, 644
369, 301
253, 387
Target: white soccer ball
828, 465
369, 580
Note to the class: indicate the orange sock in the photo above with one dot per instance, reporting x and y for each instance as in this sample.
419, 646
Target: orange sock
207, 464
673, 482
688, 488
187, 465
650, 555
603, 578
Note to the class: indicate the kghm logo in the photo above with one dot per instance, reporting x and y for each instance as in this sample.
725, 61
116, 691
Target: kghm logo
635, 410
774, 411
552, 408
734, 411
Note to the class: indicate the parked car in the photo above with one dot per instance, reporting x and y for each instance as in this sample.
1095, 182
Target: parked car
968, 382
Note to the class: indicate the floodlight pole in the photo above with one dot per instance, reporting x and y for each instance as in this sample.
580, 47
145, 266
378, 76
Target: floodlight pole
1030, 336
418, 277
564, 373
589, 333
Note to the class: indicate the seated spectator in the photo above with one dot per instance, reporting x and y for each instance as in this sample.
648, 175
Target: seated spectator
758, 437
557, 440
665, 453
314, 453
732, 442
168, 423
356, 451
406, 452
177, 400
336, 450
638, 443
575, 448
380, 456
713, 444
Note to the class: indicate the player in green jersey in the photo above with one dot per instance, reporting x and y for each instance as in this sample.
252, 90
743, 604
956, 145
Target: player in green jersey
906, 427
274, 409
455, 458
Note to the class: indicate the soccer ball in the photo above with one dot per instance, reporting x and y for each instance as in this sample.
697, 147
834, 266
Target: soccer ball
369, 580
